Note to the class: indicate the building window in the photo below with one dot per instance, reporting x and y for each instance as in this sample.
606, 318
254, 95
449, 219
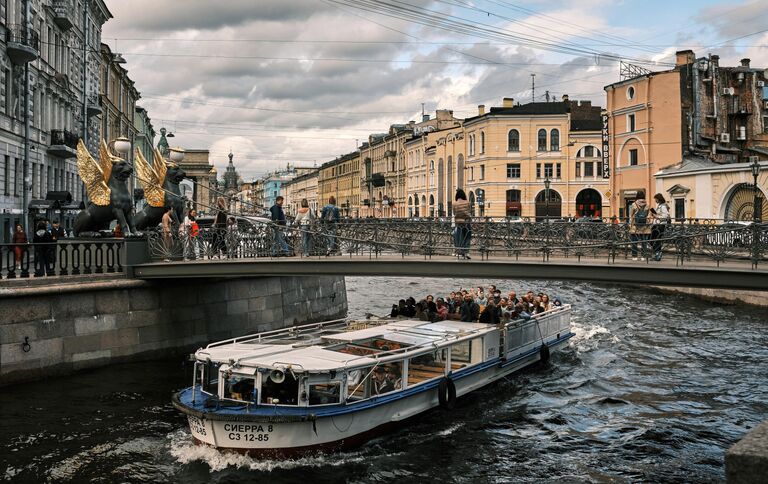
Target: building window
765, 124
482, 141
17, 178
7, 169
558, 172
588, 171
482, 172
633, 157
578, 169
630, 93
471, 145
513, 140
630, 122
542, 140
513, 170
680, 209
548, 173
471, 173
589, 151
554, 140
599, 168
538, 170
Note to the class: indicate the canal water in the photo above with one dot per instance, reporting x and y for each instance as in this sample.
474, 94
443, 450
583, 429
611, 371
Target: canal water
652, 388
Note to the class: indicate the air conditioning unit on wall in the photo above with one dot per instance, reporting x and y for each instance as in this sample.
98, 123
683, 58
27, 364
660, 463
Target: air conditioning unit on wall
725, 138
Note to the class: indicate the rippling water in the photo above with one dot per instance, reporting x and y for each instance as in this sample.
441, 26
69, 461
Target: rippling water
652, 388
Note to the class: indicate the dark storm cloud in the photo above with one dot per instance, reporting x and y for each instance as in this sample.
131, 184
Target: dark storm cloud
167, 16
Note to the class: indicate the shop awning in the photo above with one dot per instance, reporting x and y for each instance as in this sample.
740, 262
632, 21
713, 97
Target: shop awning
59, 196
39, 204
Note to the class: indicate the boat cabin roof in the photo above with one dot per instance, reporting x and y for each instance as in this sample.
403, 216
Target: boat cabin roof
319, 351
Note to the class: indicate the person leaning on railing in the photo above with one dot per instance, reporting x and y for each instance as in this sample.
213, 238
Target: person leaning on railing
304, 218
19, 240
639, 226
661, 218
463, 232
42, 240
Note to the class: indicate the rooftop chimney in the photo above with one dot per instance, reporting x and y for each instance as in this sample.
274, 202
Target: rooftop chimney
565, 98
508, 102
480, 109
715, 59
684, 57
745, 62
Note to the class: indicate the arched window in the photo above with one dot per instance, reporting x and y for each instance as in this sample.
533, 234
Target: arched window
513, 140
482, 141
554, 140
471, 145
542, 140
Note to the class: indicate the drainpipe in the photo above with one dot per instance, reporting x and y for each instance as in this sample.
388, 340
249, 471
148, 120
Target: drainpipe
27, 178
85, 74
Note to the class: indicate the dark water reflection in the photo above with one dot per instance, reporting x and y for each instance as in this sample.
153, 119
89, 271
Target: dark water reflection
652, 388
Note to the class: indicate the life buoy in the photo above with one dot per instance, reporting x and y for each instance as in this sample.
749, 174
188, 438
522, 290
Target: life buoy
544, 353
446, 393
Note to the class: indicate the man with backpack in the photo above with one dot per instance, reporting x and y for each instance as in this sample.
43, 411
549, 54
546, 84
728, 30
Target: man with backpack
639, 225
330, 216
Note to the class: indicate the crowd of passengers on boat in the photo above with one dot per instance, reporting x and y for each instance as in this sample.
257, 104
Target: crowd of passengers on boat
476, 305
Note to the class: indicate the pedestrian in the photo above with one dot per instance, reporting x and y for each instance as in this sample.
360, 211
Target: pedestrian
219, 227
280, 247
42, 240
330, 218
639, 228
20, 241
190, 230
167, 237
303, 220
463, 231
57, 232
661, 218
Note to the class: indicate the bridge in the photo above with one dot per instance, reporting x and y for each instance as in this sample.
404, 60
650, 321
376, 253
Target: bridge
711, 254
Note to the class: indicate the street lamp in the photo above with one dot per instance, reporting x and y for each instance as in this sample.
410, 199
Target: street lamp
547, 183
757, 207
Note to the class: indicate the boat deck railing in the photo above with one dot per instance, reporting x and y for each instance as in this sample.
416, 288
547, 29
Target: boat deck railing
293, 331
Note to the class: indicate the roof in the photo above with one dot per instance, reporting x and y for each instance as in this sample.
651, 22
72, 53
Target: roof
690, 164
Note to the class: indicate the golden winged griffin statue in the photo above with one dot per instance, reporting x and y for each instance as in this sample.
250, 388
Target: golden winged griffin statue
106, 183
160, 182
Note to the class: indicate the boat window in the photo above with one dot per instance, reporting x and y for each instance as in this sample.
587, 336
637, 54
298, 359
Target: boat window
209, 377
358, 384
240, 387
426, 367
387, 378
279, 388
324, 393
461, 354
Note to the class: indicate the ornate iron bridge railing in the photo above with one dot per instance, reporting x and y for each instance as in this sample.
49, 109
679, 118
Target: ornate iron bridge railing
69, 257
715, 242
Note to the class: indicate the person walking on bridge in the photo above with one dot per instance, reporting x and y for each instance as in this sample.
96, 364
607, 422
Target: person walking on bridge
280, 247
330, 217
462, 235
639, 226
304, 218
660, 220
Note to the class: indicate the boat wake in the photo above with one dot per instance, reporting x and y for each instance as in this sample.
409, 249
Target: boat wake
184, 449
588, 336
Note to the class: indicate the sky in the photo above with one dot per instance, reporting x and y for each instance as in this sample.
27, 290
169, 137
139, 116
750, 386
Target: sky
305, 81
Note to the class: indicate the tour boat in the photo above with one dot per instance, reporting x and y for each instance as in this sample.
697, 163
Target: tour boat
330, 386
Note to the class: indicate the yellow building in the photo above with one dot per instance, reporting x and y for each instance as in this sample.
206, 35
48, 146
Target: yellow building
340, 178
502, 158
301, 187
384, 183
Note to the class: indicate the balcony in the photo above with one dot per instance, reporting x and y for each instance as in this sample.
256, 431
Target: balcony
63, 14
63, 144
93, 105
23, 44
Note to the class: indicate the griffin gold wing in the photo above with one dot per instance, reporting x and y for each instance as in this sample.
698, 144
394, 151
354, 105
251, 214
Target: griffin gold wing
105, 160
160, 167
153, 187
92, 174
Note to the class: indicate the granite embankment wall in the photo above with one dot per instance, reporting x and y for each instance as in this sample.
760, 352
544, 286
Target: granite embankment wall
87, 322
721, 296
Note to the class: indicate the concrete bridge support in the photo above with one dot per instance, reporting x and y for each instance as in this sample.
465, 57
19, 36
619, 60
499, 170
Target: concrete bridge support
58, 328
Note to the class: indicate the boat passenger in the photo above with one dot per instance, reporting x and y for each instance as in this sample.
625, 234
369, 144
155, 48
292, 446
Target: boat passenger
442, 309
470, 310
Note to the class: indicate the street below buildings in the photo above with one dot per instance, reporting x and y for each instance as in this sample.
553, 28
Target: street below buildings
652, 388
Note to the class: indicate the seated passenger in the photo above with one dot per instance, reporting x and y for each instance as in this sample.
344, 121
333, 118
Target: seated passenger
557, 303
546, 303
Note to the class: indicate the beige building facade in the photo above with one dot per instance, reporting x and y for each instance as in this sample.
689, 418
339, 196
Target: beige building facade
340, 178
502, 158
302, 187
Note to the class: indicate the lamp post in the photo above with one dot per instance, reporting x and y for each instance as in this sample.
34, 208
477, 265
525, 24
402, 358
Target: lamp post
547, 183
757, 206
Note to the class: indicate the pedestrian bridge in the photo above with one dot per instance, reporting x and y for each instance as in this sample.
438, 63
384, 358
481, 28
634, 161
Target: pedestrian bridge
715, 255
